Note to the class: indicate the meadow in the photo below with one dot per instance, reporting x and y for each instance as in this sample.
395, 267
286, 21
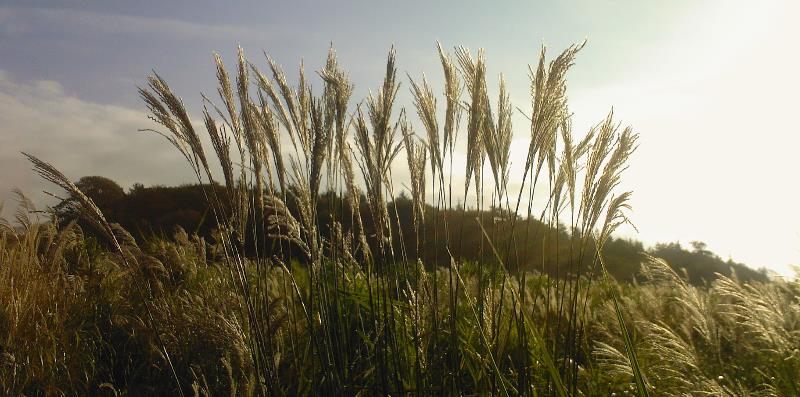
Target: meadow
295, 293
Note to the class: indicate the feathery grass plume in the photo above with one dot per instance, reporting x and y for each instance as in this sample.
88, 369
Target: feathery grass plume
763, 313
604, 133
615, 165
370, 155
301, 193
425, 102
221, 142
319, 147
25, 208
82, 205
377, 147
5, 226
254, 136
569, 160
342, 243
673, 360
337, 92
603, 172
266, 116
474, 73
675, 364
767, 316
498, 143
416, 156
571, 156
612, 361
225, 91
291, 113
255, 142
270, 129
67, 237
328, 100
452, 93
282, 225
168, 110
232, 119
45, 236
342, 89
303, 100
549, 108
556, 202
696, 308
615, 216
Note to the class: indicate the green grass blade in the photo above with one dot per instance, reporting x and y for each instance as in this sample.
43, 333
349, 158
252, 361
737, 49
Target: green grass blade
641, 384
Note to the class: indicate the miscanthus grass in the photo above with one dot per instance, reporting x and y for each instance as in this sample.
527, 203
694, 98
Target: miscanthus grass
313, 284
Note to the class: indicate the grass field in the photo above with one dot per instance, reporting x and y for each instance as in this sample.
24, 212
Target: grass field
276, 305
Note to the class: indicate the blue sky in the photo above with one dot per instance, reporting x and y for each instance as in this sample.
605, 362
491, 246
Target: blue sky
710, 85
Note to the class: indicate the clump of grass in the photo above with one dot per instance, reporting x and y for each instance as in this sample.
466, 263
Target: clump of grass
354, 307
316, 127
76, 319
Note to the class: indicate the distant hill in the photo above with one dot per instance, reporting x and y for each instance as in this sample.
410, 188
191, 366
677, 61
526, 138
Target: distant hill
156, 211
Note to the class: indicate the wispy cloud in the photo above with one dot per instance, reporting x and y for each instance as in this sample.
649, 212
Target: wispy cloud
79, 137
19, 21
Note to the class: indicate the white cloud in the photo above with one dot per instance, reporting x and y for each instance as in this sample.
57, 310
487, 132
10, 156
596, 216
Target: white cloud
80, 138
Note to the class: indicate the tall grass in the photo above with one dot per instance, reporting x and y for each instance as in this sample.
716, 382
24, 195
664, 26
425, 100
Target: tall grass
317, 126
356, 309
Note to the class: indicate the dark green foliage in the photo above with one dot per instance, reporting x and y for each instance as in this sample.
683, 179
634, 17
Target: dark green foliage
702, 266
157, 210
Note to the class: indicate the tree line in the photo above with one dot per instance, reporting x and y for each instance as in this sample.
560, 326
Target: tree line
471, 235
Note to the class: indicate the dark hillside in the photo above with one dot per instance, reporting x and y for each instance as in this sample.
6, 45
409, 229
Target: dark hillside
157, 210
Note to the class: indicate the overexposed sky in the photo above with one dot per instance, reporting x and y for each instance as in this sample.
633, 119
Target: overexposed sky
716, 105
710, 85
